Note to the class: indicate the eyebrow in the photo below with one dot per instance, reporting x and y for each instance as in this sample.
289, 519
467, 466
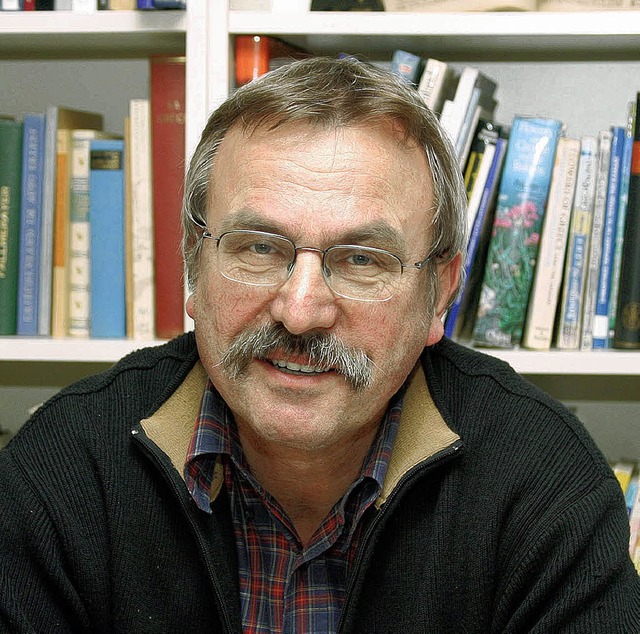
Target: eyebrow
378, 233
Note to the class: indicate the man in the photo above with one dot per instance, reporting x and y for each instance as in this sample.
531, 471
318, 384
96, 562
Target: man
316, 458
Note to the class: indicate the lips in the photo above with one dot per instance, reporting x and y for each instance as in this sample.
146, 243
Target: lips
297, 368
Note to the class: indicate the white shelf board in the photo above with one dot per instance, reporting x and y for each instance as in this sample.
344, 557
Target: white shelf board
114, 34
34, 349
611, 33
605, 362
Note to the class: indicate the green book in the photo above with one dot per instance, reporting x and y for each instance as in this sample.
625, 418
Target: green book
10, 175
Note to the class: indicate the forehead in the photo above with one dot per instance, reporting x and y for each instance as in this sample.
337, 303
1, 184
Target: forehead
310, 179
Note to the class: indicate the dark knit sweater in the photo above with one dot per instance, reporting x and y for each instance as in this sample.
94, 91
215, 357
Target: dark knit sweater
520, 526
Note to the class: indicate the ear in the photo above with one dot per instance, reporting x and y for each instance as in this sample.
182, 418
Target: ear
448, 278
189, 306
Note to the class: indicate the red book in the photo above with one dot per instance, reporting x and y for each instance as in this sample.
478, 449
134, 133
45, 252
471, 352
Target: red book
167, 96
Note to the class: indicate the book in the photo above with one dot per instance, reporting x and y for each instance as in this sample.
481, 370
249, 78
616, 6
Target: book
407, 66
474, 90
584, 5
10, 191
167, 102
437, 83
170, 4
623, 199
513, 248
30, 219
627, 328
603, 291
460, 317
122, 5
79, 248
59, 278
487, 132
56, 118
547, 280
140, 277
257, 54
106, 191
605, 141
460, 5
623, 470
576, 262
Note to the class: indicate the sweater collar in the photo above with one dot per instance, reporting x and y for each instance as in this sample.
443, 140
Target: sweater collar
422, 432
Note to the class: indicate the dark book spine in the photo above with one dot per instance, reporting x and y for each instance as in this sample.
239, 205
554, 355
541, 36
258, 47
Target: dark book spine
627, 332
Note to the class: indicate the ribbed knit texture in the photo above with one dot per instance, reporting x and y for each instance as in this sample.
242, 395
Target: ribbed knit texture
523, 530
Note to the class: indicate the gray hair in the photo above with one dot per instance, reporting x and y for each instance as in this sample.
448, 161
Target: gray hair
330, 93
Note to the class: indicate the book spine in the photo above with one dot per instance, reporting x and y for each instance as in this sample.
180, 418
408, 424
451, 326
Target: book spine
59, 293
545, 291
79, 239
30, 217
522, 199
627, 331
623, 199
605, 139
144, 5
475, 257
167, 97
603, 293
142, 277
106, 190
10, 186
578, 248
407, 66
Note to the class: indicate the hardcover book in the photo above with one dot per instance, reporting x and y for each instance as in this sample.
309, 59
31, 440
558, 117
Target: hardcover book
627, 331
10, 188
603, 292
167, 99
605, 139
106, 189
57, 118
577, 259
140, 277
511, 260
437, 83
30, 219
545, 292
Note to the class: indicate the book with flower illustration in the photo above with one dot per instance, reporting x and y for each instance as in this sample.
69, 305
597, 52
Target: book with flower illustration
513, 249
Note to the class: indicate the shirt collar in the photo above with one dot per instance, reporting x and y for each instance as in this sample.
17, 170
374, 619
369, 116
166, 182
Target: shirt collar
215, 434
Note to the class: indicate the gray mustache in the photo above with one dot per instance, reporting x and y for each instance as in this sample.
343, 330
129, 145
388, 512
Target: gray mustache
324, 350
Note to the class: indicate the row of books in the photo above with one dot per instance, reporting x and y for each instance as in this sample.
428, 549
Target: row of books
90, 240
553, 254
89, 6
464, 5
628, 474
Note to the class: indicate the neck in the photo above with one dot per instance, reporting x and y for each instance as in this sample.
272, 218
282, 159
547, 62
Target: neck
307, 483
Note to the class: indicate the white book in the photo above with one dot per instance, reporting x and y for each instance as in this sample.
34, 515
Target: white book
478, 186
141, 227
547, 280
605, 138
460, 5
576, 262
437, 83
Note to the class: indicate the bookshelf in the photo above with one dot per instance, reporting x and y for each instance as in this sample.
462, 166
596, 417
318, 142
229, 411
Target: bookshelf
550, 60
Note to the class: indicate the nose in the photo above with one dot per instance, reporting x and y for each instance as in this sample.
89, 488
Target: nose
304, 302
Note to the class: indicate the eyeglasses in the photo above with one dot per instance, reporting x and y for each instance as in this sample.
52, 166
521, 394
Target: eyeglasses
258, 258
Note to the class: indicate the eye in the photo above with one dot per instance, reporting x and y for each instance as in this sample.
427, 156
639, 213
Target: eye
360, 259
262, 248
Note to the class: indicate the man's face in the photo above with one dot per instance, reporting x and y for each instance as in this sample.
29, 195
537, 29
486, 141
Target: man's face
318, 188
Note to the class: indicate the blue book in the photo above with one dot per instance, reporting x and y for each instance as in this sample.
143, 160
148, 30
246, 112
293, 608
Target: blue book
143, 5
30, 222
407, 66
465, 304
603, 294
107, 222
170, 4
513, 249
